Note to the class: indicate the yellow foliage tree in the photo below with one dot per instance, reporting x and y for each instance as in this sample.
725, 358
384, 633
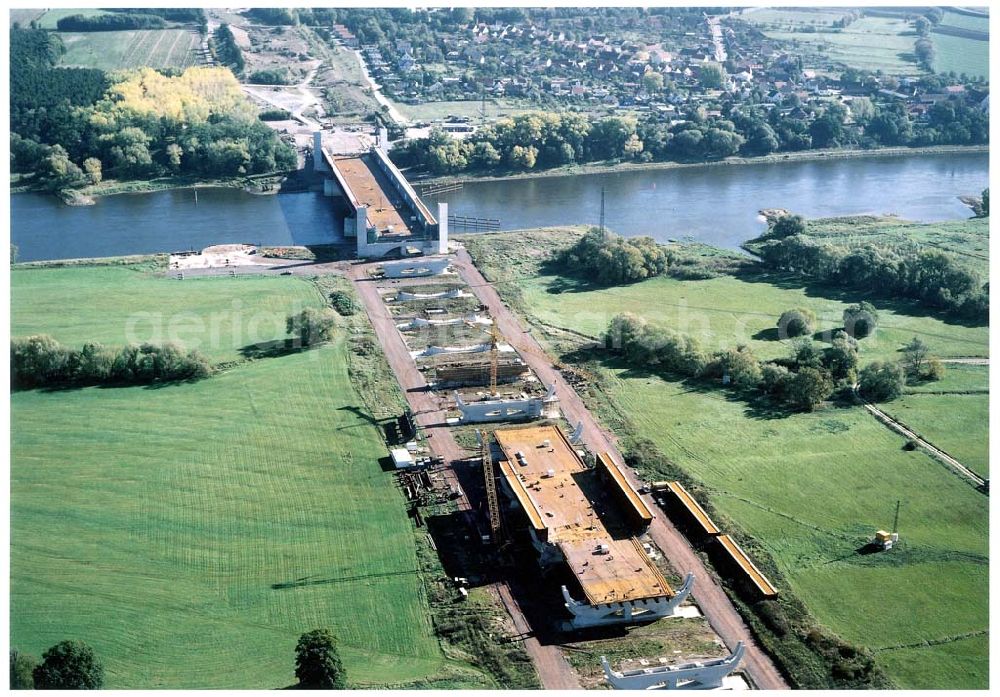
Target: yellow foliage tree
188, 98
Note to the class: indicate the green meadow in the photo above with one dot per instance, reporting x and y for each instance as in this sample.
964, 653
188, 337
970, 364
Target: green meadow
191, 532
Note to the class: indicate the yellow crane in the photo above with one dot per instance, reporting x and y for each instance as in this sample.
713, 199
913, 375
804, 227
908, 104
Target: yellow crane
492, 502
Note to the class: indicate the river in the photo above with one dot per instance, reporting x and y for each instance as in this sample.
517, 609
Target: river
719, 204
714, 204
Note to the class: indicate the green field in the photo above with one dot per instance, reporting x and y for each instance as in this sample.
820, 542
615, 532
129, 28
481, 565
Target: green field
51, 17
112, 305
869, 43
963, 21
725, 311
190, 533
810, 488
959, 424
968, 239
120, 50
431, 111
961, 55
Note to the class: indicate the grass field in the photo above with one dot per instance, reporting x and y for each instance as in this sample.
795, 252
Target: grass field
957, 423
113, 305
191, 533
809, 488
869, 43
472, 109
961, 55
49, 19
119, 50
963, 21
968, 239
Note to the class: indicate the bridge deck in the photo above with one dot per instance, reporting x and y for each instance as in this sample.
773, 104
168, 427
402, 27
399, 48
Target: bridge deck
564, 501
371, 188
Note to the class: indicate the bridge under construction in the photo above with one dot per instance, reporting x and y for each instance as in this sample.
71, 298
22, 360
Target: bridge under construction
382, 212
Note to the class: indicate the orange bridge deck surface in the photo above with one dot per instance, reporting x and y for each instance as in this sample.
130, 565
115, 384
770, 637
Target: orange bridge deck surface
568, 509
371, 188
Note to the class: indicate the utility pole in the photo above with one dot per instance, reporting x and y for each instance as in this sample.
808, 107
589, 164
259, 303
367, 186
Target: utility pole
895, 520
603, 232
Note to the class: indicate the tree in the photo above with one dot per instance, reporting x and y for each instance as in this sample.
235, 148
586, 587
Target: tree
652, 82
312, 325
741, 366
922, 25
774, 379
796, 322
986, 202
712, 76
935, 369
787, 225
860, 320
92, 166
69, 665
808, 388
915, 356
317, 664
805, 354
881, 382
22, 667
841, 359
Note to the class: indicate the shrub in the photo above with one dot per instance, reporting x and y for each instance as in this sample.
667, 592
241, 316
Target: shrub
312, 326
610, 259
787, 225
796, 322
881, 382
343, 303
860, 320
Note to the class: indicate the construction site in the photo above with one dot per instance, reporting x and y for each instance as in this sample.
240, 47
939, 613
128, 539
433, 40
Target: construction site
555, 526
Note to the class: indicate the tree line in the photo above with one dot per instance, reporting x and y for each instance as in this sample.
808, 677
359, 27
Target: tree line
226, 50
110, 22
69, 131
803, 380
933, 278
545, 139
42, 362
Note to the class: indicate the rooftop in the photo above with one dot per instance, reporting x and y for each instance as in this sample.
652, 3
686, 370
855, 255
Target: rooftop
571, 508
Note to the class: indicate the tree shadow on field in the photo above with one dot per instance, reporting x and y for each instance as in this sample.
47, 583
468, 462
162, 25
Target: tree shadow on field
272, 349
772, 334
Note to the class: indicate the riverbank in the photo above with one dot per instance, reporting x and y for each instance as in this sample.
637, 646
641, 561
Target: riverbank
88, 195
612, 167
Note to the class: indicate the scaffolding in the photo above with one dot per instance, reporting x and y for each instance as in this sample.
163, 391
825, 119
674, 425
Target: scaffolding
492, 501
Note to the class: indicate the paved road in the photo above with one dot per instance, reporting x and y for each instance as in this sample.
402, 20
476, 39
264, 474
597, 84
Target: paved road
967, 360
553, 670
715, 604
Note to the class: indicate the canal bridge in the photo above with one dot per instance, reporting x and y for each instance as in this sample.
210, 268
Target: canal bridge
382, 212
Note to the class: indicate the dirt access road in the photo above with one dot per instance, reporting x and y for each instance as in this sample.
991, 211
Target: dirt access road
553, 670
715, 604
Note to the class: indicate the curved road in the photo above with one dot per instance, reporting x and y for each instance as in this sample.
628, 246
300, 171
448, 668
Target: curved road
715, 604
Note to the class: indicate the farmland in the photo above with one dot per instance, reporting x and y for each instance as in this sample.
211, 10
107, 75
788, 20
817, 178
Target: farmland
119, 50
961, 55
868, 43
109, 303
191, 533
808, 488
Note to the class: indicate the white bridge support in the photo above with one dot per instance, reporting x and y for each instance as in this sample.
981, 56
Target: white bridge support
627, 611
505, 409
700, 675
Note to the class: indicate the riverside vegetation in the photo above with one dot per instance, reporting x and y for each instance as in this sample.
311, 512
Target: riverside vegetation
74, 127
